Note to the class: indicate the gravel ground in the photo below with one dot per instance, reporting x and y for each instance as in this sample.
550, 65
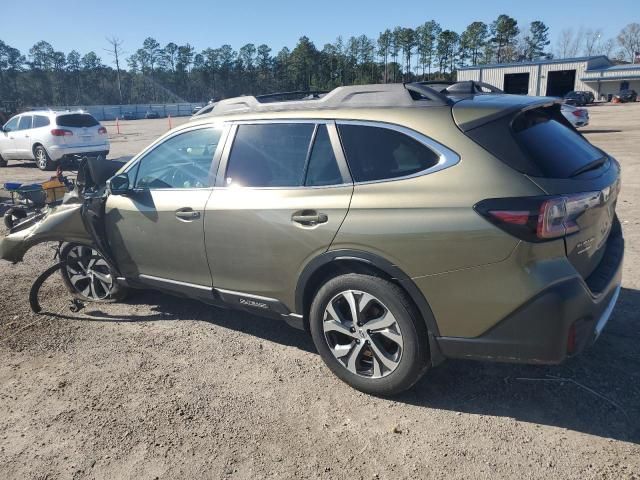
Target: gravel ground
161, 387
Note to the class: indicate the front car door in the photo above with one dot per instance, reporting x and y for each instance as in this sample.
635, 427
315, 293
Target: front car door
282, 192
8, 138
156, 232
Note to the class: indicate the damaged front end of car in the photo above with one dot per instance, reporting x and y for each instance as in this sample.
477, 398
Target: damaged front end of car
77, 220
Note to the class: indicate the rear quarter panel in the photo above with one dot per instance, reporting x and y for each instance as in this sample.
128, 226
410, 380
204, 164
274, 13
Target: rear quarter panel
426, 225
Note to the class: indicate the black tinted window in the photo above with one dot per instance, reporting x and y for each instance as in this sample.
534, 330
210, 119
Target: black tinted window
76, 120
269, 155
377, 153
40, 121
555, 149
183, 161
25, 122
323, 167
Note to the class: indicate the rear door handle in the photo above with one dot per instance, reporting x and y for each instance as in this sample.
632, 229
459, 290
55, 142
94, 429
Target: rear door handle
187, 214
309, 218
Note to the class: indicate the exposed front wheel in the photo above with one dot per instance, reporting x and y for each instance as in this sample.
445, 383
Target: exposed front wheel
88, 275
369, 334
43, 162
12, 216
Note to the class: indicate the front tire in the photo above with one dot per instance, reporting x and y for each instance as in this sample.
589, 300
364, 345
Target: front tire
12, 216
43, 161
369, 334
3, 162
87, 275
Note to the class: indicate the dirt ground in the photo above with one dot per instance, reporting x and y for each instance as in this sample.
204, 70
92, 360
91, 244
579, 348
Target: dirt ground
160, 387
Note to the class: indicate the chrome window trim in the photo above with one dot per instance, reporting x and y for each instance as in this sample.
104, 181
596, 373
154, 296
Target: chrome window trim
446, 157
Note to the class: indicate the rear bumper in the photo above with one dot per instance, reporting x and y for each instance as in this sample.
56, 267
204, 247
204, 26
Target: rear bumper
560, 321
56, 152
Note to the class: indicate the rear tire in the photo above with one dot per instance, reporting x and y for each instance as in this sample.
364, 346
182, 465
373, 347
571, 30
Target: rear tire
88, 276
43, 161
3, 162
386, 350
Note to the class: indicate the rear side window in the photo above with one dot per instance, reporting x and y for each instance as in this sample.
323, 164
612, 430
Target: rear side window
323, 168
379, 153
25, 122
76, 120
40, 121
269, 155
556, 150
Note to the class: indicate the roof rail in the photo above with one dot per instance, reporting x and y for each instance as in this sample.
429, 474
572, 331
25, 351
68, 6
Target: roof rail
355, 96
464, 87
296, 95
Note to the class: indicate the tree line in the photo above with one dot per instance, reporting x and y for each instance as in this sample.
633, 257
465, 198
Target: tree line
174, 73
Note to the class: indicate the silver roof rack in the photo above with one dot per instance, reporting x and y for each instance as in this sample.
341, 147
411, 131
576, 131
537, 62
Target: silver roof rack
355, 96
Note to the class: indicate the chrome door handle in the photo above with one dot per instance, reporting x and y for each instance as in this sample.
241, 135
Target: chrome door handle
187, 214
310, 218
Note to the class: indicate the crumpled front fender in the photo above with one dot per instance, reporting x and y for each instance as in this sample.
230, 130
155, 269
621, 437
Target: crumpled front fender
62, 223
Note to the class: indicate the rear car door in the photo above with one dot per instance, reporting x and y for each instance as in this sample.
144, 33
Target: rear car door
156, 232
282, 192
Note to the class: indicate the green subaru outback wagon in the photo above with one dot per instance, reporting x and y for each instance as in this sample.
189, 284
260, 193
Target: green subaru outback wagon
399, 224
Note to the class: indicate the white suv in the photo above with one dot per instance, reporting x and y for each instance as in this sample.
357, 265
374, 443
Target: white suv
47, 137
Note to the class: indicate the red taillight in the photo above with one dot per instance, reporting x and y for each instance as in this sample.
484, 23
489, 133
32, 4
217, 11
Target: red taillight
577, 113
513, 217
537, 219
102, 131
60, 132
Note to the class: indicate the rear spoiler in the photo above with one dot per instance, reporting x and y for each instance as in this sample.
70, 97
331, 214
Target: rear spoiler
479, 110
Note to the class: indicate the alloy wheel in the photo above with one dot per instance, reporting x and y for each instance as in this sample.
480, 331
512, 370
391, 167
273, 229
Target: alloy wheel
41, 158
89, 273
362, 334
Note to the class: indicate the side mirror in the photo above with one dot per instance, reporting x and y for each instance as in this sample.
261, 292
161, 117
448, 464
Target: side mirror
119, 185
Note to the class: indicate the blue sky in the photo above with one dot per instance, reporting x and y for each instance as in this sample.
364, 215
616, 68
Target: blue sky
83, 25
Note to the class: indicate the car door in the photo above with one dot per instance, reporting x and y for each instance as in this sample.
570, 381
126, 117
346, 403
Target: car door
8, 139
23, 137
156, 231
282, 192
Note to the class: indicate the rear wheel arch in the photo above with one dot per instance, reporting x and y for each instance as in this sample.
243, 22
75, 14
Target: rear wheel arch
339, 262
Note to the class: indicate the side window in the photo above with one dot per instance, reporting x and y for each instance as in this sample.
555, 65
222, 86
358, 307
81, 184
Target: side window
182, 161
11, 125
269, 155
379, 153
323, 167
25, 122
40, 121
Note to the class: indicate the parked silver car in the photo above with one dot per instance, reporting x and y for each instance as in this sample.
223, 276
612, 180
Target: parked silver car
48, 136
579, 117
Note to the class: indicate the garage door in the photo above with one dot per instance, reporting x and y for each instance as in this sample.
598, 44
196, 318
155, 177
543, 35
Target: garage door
560, 83
516, 83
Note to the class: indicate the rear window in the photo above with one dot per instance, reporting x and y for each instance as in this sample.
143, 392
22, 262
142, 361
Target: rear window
76, 120
538, 142
379, 153
556, 150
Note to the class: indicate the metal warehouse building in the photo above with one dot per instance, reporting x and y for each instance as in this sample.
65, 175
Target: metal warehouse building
555, 78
